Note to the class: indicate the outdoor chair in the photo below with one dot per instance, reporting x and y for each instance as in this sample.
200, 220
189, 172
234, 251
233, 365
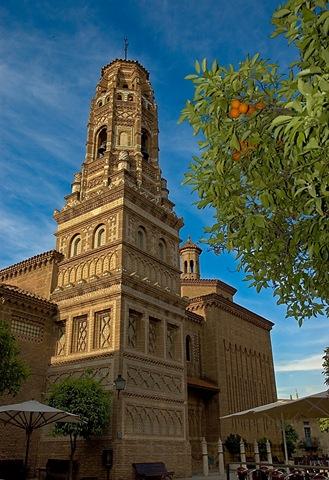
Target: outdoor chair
260, 473
58, 469
12, 469
296, 475
242, 473
277, 475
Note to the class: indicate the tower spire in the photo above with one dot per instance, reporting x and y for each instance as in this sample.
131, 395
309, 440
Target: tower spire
126, 47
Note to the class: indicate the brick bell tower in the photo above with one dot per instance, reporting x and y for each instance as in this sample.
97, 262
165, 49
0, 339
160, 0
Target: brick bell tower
118, 288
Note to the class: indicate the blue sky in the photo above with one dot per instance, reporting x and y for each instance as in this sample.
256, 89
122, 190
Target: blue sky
51, 55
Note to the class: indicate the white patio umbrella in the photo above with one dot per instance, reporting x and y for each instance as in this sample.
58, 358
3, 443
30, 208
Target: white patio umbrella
32, 415
312, 406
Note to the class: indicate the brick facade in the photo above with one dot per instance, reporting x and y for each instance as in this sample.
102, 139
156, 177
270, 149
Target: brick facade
188, 353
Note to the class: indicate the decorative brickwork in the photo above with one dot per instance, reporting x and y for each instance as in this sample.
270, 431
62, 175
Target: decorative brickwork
119, 306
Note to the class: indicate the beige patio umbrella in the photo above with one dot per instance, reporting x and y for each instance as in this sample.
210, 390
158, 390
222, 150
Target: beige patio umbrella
312, 406
32, 415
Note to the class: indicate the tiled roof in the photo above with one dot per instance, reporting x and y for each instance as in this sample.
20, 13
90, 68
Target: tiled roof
125, 61
213, 299
209, 281
41, 258
4, 287
190, 244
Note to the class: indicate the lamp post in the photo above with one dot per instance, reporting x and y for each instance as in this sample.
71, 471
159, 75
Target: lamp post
119, 383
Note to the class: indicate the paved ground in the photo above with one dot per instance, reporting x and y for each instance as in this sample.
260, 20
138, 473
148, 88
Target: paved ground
211, 476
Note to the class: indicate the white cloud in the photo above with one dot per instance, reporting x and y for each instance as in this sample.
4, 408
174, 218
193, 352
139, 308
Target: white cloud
24, 238
313, 362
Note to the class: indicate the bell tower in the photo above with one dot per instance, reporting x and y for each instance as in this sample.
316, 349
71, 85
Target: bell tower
118, 288
190, 264
122, 134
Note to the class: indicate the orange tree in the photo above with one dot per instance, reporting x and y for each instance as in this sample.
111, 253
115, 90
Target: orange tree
263, 163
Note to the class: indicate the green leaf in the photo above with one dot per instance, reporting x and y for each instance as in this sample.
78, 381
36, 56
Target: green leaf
197, 66
204, 65
191, 77
234, 143
280, 120
309, 71
283, 12
259, 221
304, 88
326, 27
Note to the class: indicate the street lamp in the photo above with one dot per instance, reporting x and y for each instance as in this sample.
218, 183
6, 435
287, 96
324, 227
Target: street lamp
119, 383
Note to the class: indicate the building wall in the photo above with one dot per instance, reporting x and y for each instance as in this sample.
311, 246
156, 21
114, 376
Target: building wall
37, 274
31, 321
236, 355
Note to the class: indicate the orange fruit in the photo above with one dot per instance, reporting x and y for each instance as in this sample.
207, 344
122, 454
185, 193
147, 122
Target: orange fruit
260, 105
236, 156
243, 107
234, 113
235, 103
251, 109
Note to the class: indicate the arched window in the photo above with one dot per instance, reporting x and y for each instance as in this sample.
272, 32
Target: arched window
119, 96
191, 266
75, 248
101, 142
162, 249
188, 348
100, 103
145, 144
130, 97
141, 238
185, 266
99, 236
107, 99
124, 85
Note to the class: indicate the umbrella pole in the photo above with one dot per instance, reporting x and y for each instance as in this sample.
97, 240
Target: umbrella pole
28, 439
283, 429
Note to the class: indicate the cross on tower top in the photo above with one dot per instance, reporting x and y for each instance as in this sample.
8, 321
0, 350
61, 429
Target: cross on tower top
126, 47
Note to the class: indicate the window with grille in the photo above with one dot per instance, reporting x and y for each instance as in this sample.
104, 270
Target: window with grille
27, 330
134, 321
153, 335
61, 338
102, 329
79, 334
171, 341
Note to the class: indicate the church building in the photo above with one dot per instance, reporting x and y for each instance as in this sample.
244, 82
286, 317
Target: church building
119, 296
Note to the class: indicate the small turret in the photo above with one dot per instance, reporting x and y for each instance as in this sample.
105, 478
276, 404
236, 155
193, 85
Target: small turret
190, 265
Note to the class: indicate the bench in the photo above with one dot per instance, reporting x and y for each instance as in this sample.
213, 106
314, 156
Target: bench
153, 470
12, 469
58, 469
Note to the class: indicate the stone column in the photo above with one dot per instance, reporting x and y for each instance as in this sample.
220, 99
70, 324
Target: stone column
221, 468
204, 457
256, 451
243, 454
268, 452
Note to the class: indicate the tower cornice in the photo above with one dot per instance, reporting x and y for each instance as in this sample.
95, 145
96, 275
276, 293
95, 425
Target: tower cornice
108, 195
121, 61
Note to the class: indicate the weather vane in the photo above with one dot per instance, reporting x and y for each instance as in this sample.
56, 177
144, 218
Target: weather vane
126, 47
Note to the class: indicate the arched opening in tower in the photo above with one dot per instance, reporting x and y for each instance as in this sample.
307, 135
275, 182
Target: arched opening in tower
145, 144
191, 266
101, 142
